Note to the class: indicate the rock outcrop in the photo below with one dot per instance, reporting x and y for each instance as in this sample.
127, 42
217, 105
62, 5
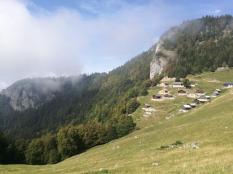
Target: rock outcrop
33, 93
162, 55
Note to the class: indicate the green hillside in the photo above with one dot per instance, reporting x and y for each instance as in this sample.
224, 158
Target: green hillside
202, 138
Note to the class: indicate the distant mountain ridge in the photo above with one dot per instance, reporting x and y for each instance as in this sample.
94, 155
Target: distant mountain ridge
33, 93
45, 104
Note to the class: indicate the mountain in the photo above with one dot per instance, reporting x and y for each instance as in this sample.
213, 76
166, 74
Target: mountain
46, 104
168, 141
209, 38
66, 116
195, 46
33, 93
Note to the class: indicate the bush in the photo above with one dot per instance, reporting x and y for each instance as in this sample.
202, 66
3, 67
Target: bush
132, 106
173, 145
124, 125
156, 80
187, 83
164, 147
178, 143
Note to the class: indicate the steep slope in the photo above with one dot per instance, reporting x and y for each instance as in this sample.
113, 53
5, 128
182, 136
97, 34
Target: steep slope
194, 47
46, 104
205, 132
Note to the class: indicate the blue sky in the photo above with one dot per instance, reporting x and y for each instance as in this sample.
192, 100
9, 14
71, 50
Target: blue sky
69, 37
197, 6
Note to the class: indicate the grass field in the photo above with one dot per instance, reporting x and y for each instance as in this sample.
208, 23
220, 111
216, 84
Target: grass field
209, 127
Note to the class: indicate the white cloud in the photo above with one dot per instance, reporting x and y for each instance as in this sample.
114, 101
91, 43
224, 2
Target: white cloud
2, 85
217, 11
37, 44
214, 12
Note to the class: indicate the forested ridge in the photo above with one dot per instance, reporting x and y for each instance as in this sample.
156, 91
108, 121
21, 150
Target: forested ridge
202, 45
94, 110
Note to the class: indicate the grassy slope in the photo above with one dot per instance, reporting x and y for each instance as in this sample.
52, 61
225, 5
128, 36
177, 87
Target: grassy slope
209, 125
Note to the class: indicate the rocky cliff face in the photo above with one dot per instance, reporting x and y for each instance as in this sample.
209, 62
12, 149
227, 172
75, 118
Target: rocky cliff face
162, 55
33, 93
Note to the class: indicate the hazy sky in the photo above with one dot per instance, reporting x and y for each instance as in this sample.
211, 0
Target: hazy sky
69, 37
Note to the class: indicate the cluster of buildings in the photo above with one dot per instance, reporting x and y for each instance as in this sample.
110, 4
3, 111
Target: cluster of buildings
173, 85
163, 94
200, 100
198, 95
